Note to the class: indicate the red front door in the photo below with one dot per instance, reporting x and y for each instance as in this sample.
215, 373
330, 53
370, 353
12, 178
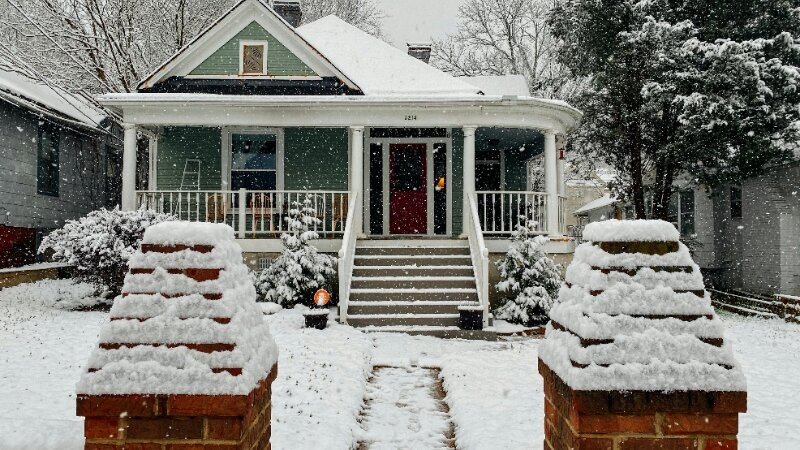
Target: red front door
408, 196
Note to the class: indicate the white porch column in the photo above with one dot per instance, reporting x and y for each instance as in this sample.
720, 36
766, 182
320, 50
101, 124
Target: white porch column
551, 180
129, 168
562, 171
357, 172
469, 171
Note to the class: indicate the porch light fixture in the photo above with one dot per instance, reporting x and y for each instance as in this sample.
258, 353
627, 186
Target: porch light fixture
441, 184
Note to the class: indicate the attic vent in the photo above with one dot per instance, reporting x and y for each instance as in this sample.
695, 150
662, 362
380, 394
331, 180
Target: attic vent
253, 59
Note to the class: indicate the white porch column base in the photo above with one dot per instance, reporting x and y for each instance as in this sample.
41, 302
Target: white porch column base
551, 181
357, 172
468, 178
129, 168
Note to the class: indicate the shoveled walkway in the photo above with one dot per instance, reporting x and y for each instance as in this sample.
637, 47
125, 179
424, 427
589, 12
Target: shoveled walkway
405, 409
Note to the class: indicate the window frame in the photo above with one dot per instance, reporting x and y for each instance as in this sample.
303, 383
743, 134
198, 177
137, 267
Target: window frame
54, 189
682, 212
227, 153
735, 205
252, 43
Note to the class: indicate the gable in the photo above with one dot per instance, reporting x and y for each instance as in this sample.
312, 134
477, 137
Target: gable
280, 61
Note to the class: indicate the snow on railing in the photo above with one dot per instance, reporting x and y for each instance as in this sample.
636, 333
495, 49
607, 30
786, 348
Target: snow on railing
479, 254
253, 214
347, 254
501, 211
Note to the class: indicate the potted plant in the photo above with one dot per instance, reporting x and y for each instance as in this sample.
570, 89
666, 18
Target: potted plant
470, 317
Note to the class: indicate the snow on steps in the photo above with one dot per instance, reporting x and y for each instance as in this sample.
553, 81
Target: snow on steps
444, 332
411, 286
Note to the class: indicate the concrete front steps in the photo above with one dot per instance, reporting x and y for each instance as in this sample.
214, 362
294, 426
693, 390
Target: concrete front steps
413, 287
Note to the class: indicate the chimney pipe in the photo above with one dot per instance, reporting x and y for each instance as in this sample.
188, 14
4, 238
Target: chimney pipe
290, 10
420, 50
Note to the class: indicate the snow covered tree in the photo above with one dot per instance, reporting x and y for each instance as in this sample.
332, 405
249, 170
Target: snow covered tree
300, 270
529, 280
707, 88
99, 245
364, 14
506, 37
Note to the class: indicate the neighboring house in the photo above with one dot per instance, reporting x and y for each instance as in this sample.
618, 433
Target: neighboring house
589, 200
57, 162
749, 234
257, 113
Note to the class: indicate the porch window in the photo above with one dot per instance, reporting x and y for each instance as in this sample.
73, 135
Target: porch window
254, 162
488, 170
48, 164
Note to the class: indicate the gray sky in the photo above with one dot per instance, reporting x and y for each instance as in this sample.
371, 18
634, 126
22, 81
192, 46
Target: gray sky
418, 20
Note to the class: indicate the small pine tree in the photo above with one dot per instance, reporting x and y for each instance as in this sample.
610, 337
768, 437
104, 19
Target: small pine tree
300, 270
529, 279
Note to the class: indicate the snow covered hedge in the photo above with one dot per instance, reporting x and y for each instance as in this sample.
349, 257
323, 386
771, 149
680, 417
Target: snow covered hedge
100, 244
300, 270
529, 279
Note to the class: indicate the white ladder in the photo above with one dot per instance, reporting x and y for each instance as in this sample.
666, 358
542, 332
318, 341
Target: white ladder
191, 169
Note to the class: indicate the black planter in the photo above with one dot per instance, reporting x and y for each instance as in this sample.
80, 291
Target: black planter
471, 318
316, 319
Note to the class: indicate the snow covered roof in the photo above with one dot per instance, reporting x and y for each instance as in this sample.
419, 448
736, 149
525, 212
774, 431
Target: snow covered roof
50, 101
602, 202
634, 315
187, 321
515, 85
377, 67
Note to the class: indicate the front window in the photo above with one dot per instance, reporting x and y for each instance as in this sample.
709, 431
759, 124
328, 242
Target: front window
48, 165
254, 162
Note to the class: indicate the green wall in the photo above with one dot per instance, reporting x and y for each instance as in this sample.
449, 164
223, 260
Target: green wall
316, 159
280, 61
177, 144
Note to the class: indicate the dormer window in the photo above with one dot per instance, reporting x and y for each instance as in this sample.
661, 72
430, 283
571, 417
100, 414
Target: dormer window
253, 58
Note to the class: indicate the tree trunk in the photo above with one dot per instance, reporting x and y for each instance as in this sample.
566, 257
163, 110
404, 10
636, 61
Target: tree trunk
662, 190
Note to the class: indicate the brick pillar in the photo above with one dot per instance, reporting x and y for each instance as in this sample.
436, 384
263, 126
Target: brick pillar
191, 369
633, 357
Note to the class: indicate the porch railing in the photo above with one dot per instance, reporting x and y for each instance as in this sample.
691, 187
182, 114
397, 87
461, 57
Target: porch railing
479, 254
253, 214
499, 212
347, 254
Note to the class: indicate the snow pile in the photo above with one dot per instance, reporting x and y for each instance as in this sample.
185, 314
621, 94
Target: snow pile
172, 334
634, 321
631, 231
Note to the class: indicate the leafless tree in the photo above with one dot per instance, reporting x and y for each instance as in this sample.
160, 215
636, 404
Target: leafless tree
364, 14
99, 45
505, 37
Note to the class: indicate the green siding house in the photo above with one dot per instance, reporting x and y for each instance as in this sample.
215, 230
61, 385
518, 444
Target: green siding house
258, 112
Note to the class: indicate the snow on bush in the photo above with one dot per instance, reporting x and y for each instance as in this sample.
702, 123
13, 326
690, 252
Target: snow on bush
529, 279
300, 270
99, 245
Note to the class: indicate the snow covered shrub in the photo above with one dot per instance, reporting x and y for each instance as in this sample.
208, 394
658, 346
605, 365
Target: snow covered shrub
100, 244
300, 270
530, 281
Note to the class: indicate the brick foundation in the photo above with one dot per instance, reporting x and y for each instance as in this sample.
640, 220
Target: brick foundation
179, 422
638, 420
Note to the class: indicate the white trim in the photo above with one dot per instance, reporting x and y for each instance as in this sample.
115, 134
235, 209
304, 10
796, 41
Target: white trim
264, 65
227, 27
336, 111
429, 143
227, 148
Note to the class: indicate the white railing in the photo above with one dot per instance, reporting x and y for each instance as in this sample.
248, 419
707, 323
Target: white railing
479, 254
562, 215
501, 211
347, 254
253, 214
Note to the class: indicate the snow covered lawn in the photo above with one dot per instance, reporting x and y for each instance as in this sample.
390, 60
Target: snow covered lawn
493, 389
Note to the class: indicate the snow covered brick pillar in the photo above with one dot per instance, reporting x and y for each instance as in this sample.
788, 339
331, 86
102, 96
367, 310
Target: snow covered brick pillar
634, 356
186, 361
